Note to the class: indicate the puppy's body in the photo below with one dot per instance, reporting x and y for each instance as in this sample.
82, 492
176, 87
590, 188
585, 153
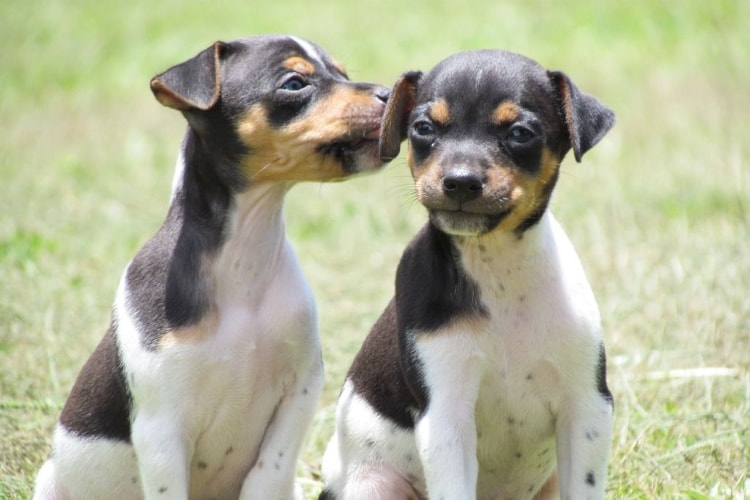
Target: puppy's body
485, 376
209, 375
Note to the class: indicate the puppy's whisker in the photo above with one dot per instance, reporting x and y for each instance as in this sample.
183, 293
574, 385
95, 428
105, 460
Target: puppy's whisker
263, 168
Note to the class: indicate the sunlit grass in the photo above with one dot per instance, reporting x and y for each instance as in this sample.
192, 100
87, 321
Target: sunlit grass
659, 211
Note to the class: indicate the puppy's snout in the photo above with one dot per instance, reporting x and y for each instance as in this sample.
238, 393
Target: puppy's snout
462, 185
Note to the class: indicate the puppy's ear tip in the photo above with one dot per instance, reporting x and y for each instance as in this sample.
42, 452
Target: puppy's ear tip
194, 84
412, 76
389, 151
166, 96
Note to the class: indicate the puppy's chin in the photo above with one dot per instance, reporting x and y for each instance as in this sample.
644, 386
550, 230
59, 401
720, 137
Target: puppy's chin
459, 223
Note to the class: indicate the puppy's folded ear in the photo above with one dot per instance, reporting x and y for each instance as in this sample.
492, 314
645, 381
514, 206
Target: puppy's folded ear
396, 116
586, 118
194, 84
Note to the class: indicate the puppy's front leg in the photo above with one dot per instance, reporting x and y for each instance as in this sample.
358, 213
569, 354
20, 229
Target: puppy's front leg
163, 456
584, 432
446, 434
272, 477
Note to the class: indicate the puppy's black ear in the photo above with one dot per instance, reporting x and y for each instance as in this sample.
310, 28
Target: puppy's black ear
396, 117
587, 119
194, 84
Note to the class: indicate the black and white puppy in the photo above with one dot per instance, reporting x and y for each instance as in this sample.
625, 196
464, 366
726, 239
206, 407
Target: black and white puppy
485, 376
206, 382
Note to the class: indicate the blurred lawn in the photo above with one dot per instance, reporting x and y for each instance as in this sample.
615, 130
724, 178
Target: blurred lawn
659, 211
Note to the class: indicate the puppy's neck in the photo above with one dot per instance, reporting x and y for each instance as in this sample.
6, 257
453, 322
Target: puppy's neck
508, 242
237, 228
255, 242
504, 253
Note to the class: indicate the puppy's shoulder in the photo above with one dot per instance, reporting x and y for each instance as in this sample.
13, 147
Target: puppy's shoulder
432, 287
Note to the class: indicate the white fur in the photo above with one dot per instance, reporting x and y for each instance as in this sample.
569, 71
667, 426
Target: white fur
505, 391
220, 410
352, 460
309, 49
179, 172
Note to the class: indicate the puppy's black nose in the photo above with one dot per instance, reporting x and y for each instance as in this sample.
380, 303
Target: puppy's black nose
382, 93
462, 185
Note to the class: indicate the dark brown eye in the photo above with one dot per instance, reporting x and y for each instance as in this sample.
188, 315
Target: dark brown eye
520, 135
424, 128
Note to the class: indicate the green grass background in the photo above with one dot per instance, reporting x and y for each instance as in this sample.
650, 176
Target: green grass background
659, 211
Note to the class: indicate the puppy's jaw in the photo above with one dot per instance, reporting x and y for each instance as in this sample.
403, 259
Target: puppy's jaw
337, 137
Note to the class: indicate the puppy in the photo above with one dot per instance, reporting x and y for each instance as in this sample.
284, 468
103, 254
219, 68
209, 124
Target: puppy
209, 375
485, 376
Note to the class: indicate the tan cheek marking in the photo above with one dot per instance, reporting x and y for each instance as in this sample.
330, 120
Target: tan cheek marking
300, 65
266, 144
506, 112
290, 153
440, 112
550, 165
527, 193
428, 182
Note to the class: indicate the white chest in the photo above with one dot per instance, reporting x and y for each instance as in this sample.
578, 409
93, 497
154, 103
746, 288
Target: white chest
534, 349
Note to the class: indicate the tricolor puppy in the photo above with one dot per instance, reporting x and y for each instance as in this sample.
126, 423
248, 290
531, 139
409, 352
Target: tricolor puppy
209, 375
485, 376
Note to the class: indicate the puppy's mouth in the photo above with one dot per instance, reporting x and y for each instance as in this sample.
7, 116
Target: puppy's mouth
351, 142
462, 222
356, 151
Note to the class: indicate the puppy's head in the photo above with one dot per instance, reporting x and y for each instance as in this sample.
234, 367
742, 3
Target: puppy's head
487, 131
276, 108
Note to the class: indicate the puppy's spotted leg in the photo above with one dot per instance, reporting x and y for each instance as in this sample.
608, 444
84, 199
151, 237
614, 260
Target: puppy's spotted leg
274, 471
446, 434
584, 432
162, 456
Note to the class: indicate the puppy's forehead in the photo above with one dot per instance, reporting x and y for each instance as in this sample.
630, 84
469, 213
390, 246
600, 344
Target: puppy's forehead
270, 54
312, 51
483, 79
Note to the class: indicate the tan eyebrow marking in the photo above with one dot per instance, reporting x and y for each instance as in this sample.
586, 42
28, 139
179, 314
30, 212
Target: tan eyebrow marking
300, 65
440, 112
506, 112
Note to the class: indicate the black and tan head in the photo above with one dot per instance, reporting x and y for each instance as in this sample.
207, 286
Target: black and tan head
276, 108
487, 131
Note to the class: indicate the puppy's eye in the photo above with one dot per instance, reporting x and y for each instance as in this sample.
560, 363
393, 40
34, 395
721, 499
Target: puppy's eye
424, 128
520, 135
294, 84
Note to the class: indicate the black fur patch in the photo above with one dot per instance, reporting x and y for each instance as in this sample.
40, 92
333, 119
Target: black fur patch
431, 290
166, 289
601, 377
378, 377
99, 403
326, 495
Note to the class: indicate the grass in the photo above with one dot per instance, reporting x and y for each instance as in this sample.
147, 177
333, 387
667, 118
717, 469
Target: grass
659, 211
